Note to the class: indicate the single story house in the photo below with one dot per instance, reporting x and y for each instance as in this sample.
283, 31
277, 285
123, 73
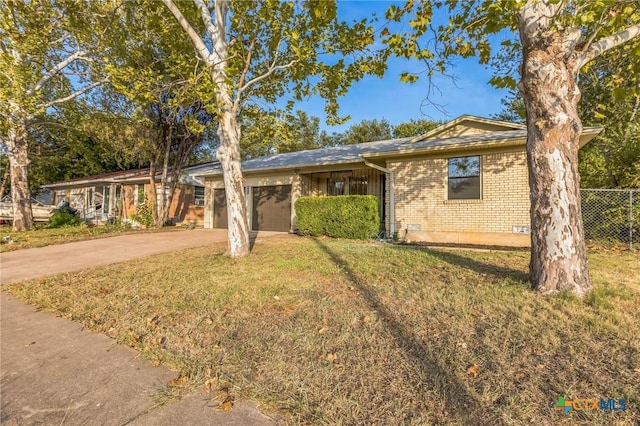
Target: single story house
115, 195
465, 182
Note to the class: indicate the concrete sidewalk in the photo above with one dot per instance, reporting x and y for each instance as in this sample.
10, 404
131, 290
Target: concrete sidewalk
54, 372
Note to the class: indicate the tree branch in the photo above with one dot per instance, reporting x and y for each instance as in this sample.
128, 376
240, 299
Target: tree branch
197, 41
273, 68
206, 16
247, 63
56, 69
219, 33
608, 43
73, 95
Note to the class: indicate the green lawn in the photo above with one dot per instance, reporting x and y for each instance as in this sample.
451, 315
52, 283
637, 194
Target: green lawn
326, 331
45, 237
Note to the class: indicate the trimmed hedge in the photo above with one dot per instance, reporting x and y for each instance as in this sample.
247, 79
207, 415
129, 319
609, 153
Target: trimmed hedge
343, 216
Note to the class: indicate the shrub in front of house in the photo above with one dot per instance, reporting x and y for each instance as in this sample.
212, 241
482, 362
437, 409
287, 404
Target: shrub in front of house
63, 218
143, 215
344, 216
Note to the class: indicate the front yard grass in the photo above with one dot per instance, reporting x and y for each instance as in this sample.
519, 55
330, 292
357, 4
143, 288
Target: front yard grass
46, 237
326, 331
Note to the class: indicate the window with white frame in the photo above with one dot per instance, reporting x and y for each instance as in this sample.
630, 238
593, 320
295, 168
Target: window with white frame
198, 195
464, 178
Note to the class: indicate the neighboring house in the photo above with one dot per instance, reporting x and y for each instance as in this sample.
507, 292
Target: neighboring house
110, 196
464, 182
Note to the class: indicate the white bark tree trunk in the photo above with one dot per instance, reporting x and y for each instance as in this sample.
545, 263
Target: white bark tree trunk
229, 133
228, 128
549, 70
17, 147
229, 156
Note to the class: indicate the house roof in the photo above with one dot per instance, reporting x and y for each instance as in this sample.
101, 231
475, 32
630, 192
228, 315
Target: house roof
135, 174
492, 134
467, 121
124, 176
343, 154
472, 142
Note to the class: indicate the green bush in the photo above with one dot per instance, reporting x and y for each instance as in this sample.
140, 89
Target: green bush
345, 216
143, 215
63, 219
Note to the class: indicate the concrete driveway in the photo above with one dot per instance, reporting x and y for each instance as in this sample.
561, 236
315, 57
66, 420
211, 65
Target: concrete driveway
43, 261
52, 371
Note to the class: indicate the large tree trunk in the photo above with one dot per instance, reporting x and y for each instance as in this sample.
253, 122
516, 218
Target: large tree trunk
558, 257
17, 144
229, 156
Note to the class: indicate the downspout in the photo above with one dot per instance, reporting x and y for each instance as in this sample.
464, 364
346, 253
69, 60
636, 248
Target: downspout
392, 201
199, 179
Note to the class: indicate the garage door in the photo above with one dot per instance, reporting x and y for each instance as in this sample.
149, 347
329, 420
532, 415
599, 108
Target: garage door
272, 208
219, 208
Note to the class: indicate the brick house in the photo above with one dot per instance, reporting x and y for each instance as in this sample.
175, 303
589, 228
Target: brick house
117, 195
464, 182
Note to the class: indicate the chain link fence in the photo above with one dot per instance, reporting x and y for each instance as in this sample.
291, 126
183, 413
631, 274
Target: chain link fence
611, 216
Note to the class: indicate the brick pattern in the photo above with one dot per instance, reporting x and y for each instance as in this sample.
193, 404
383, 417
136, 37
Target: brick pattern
421, 196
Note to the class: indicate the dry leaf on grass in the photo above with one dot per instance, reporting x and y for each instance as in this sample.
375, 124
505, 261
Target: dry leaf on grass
473, 371
156, 362
225, 399
226, 405
322, 330
332, 357
181, 380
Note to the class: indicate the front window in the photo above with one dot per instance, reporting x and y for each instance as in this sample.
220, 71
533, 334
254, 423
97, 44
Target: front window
464, 178
198, 195
337, 183
358, 185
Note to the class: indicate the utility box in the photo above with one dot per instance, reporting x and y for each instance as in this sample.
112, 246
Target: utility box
521, 230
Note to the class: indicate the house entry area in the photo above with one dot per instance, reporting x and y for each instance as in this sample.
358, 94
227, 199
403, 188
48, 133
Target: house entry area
270, 207
348, 182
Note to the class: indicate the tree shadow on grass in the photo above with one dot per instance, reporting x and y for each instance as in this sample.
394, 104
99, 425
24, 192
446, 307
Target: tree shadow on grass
458, 260
457, 402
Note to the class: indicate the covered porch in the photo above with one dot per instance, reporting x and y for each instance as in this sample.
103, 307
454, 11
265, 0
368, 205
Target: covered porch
357, 181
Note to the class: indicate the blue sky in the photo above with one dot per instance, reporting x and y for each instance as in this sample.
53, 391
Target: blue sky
374, 98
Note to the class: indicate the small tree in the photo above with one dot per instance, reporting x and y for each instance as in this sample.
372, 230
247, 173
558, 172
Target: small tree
42, 44
414, 127
152, 66
179, 131
367, 131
